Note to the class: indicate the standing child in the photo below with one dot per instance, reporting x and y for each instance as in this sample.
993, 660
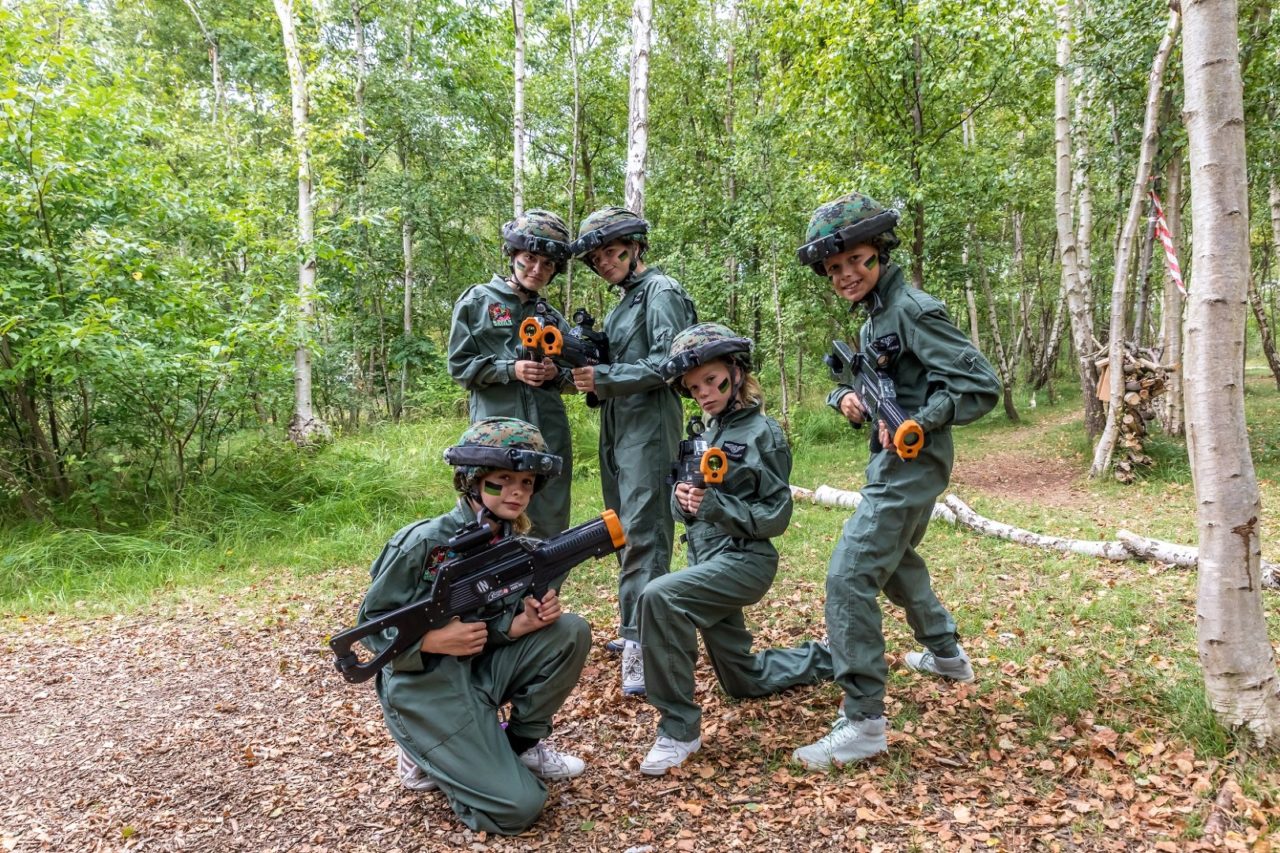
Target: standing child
941, 380
441, 698
732, 561
484, 351
639, 415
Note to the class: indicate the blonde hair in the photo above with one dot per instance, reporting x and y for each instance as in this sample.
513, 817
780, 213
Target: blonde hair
750, 393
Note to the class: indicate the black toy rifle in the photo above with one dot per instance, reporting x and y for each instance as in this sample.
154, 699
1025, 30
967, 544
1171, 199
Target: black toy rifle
481, 573
698, 463
862, 372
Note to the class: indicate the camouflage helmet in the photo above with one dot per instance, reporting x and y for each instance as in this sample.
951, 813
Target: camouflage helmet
606, 225
703, 344
506, 444
540, 232
839, 225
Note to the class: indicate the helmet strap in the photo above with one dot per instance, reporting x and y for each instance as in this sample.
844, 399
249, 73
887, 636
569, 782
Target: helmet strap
525, 293
484, 514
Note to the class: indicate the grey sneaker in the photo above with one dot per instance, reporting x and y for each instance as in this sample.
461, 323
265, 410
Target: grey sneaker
667, 753
411, 775
615, 646
632, 670
847, 741
957, 668
547, 762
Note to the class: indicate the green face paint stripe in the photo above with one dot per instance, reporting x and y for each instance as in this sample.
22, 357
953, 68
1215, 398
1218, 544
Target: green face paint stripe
492, 488
724, 385
872, 261
624, 255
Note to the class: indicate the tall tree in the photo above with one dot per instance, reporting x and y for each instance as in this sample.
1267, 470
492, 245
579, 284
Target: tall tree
1137, 196
1171, 315
1235, 651
517, 15
1081, 321
305, 427
638, 115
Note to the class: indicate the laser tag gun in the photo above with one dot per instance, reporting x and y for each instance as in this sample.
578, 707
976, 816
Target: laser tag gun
540, 337
583, 346
698, 463
863, 371
474, 581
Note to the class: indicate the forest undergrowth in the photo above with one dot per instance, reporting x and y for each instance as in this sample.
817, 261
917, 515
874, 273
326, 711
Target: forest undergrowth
192, 704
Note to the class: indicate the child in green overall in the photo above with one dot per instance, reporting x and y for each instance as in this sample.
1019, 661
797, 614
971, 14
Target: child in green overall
441, 698
639, 415
732, 561
484, 350
940, 380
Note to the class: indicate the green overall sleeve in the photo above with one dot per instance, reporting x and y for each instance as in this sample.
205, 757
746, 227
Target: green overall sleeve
766, 513
469, 365
964, 385
667, 314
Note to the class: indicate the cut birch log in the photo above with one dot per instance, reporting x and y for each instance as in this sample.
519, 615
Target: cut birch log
1089, 548
1184, 555
1129, 545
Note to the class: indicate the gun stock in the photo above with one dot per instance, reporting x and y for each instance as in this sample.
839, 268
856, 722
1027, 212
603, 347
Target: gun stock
470, 583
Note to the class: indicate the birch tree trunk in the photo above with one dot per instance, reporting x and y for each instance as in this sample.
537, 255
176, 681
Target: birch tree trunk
304, 427
1077, 303
782, 347
1255, 294
517, 13
1102, 453
1235, 651
573, 157
1142, 302
215, 63
638, 117
1171, 316
406, 242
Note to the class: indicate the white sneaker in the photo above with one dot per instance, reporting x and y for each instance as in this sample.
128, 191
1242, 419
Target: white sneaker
632, 670
667, 753
411, 775
846, 742
957, 668
548, 763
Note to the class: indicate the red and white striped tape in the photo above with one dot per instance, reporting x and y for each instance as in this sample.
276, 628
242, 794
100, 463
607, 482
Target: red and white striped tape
1166, 240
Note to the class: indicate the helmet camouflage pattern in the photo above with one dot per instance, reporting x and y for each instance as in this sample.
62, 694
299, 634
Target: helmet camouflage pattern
506, 444
606, 225
703, 344
839, 225
540, 232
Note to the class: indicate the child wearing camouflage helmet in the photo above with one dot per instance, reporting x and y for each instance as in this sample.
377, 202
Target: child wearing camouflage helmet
732, 561
484, 343
941, 379
440, 698
639, 414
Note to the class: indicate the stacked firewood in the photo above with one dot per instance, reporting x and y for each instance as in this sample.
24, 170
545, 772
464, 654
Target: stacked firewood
1144, 381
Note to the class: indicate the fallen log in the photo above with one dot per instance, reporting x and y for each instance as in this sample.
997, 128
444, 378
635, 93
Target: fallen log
1088, 548
1129, 545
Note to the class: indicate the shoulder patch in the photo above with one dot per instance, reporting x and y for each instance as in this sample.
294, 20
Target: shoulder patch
734, 450
638, 298
435, 557
887, 347
499, 315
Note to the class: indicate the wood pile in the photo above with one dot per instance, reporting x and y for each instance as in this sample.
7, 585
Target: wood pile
1145, 379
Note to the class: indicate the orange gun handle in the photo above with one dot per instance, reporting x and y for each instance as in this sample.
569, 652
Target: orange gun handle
530, 332
714, 465
908, 439
552, 341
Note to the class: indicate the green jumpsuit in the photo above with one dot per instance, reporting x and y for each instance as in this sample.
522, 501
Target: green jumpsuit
941, 379
640, 421
482, 356
732, 563
443, 710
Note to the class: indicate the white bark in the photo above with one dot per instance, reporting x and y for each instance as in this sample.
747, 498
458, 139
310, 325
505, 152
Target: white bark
1081, 323
1184, 555
1088, 548
845, 499
1173, 303
1102, 453
638, 118
1235, 651
782, 347
215, 64
573, 156
517, 12
305, 427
